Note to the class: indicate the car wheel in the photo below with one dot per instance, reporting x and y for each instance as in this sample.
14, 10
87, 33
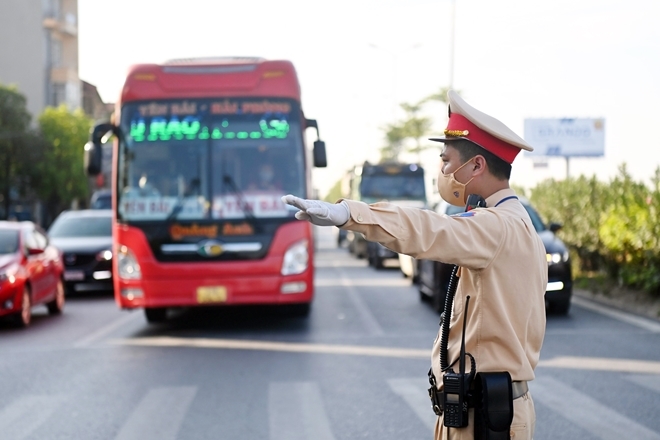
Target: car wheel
56, 306
378, 262
560, 307
24, 317
155, 315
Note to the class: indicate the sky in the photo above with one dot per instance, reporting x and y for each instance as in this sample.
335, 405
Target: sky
356, 60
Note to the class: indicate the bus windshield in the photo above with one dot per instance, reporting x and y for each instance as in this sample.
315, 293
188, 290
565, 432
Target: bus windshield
393, 187
209, 159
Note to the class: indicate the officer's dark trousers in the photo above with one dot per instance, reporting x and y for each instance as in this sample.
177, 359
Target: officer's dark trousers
522, 428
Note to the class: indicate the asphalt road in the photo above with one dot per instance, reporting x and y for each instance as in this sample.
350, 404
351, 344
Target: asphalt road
354, 369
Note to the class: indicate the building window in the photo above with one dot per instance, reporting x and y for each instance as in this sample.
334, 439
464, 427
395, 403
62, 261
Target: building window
59, 94
56, 52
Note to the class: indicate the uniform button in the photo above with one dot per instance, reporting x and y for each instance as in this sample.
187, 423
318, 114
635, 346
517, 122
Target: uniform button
359, 217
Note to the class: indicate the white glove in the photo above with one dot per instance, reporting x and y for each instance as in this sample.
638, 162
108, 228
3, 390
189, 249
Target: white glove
318, 212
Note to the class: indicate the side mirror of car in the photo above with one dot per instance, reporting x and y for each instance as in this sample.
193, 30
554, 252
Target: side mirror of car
554, 227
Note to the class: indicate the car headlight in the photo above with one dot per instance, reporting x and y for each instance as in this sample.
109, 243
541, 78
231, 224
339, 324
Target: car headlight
128, 267
105, 255
296, 259
557, 257
9, 273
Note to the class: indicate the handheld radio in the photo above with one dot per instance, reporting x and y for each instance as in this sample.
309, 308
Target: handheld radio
457, 385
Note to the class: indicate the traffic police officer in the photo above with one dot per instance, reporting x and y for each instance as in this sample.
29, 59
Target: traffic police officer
503, 267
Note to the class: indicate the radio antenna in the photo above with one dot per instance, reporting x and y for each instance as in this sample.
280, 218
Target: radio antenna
461, 362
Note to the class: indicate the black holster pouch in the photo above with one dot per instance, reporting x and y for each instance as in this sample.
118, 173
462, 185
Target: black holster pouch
493, 412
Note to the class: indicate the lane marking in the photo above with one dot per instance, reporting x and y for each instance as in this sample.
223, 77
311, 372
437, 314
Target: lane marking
602, 364
599, 420
292, 347
296, 412
414, 391
367, 282
159, 414
638, 321
27, 414
569, 362
104, 331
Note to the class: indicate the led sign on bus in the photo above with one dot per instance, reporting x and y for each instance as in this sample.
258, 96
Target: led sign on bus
211, 120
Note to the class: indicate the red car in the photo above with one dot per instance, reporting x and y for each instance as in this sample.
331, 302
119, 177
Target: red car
30, 272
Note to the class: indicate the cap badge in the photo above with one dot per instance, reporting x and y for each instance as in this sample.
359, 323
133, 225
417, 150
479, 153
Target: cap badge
456, 194
456, 133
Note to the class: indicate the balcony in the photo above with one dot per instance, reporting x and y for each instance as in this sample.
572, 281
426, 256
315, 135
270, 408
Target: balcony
66, 27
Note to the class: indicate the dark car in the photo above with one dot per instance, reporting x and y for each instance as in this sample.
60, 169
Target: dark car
85, 238
101, 199
377, 254
434, 276
30, 272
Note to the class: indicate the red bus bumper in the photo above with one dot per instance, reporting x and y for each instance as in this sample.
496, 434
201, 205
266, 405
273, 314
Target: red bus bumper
185, 284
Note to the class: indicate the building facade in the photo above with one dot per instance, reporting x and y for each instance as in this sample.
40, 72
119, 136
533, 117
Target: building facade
39, 52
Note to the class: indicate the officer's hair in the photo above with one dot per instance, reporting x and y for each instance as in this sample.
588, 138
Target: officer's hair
497, 167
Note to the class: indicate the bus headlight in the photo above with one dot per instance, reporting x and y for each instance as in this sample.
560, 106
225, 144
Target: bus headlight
296, 259
128, 267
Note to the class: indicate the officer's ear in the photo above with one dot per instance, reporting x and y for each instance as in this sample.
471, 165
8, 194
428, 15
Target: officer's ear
479, 165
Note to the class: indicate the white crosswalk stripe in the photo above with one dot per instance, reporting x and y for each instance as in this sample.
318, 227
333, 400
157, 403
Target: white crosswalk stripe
159, 415
296, 412
25, 415
599, 420
414, 391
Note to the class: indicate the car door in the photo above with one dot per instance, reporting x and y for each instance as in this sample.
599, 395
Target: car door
37, 275
49, 261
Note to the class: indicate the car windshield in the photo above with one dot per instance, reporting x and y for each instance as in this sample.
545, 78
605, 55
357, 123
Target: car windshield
81, 227
8, 242
536, 219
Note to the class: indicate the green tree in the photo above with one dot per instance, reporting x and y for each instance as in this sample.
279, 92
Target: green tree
62, 176
414, 127
19, 148
394, 137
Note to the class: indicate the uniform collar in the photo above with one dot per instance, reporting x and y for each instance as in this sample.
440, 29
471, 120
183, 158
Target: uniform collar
500, 195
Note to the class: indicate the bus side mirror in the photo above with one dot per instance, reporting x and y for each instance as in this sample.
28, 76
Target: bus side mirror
320, 159
93, 155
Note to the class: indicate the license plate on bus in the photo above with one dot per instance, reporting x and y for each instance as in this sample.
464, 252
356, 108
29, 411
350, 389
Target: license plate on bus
211, 294
74, 275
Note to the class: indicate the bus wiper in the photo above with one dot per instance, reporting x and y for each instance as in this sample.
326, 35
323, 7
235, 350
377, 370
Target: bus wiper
247, 210
180, 202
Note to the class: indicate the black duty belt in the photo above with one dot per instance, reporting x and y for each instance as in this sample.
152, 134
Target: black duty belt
518, 389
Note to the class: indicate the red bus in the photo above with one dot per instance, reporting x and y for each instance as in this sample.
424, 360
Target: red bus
203, 151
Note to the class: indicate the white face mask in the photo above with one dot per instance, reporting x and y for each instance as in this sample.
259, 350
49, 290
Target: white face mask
451, 190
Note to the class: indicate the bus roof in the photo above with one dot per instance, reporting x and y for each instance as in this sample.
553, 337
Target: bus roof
211, 77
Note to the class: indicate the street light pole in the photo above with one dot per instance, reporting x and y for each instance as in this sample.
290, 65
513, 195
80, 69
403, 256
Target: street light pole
452, 14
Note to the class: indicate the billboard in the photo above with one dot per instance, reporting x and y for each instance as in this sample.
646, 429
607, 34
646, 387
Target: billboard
566, 137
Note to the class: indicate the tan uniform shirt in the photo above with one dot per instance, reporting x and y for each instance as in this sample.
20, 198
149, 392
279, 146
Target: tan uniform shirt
503, 269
